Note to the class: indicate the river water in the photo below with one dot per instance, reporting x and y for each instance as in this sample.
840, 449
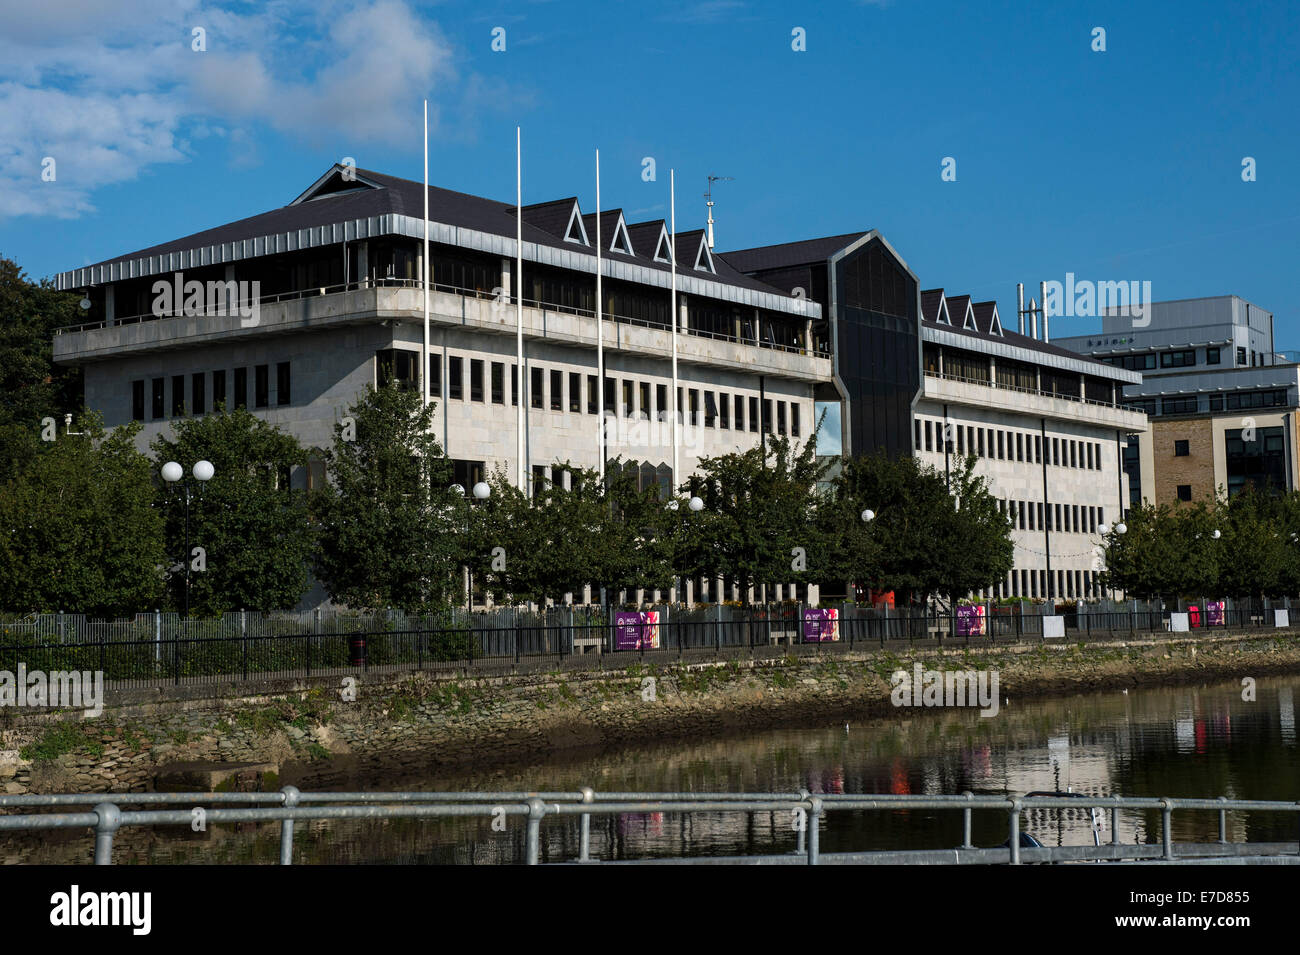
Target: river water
1180, 742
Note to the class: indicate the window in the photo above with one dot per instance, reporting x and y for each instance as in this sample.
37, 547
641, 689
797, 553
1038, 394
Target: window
262, 386
575, 393
661, 402
767, 415
198, 394
498, 383
539, 477
1183, 358
1056, 452
514, 384
466, 473
628, 410
794, 420
644, 394
536, 387
710, 410
1020, 447
593, 396
476, 379
393, 366
1241, 356
1074, 457
753, 414
241, 389
611, 405
695, 405
1088, 448
981, 441
283, 394
557, 390
740, 413
1184, 492
961, 442
455, 383
1001, 454
435, 375
780, 417
1181, 449
1020, 506
219, 390
1185, 405
929, 441
1211, 356
178, 395
724, 411
137, 400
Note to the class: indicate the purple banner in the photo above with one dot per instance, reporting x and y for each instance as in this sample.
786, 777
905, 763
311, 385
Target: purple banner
636, 630
821, 625
970, 621
1214, 613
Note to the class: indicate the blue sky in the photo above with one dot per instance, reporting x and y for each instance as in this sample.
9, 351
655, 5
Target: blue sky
1116, 165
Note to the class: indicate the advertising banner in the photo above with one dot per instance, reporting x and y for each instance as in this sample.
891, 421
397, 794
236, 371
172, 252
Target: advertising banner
821, 625
971, 621
1214, 613
636, 630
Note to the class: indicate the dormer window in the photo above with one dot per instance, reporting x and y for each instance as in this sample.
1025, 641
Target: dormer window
664, 249
703, 260
576, 231
621, 241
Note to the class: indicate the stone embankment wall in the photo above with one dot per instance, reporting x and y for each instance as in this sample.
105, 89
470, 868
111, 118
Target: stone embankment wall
303, 732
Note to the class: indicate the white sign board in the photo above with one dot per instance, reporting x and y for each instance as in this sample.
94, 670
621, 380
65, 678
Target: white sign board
1053, 627
1178, 622
1281, 618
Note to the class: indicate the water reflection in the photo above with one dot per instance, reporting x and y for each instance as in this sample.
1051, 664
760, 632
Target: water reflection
1189, 741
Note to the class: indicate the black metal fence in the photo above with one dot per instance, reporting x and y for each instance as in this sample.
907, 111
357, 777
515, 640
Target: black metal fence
202, 652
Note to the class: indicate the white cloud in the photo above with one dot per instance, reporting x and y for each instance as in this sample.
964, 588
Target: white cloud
109, 94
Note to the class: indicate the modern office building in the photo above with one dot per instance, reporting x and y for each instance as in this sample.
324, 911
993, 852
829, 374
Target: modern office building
1222, 400
1047, 428
171, 331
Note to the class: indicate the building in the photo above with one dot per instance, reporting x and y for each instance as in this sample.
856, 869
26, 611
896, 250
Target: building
296, 310
1047, 429
1222, 400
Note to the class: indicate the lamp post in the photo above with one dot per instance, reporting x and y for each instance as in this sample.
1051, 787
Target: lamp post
481, 492
1120, 528
173, 473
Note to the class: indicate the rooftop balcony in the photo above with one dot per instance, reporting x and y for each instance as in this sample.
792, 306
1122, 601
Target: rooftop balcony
403, 301
970, 391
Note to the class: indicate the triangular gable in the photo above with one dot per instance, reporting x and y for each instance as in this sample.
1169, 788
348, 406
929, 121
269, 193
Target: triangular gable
962, 307
621, 240
664, 248
576, 231
333, 183
987, 313
934, 306
703, 258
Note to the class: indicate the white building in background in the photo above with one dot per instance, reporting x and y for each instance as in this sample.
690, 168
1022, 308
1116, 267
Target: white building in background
1047, 428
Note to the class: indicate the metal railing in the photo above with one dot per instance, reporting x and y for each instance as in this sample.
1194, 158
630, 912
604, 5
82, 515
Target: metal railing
476, 293
161, 650
807, 812
1024, 390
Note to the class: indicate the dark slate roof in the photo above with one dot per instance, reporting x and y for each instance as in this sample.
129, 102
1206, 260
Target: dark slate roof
932, 304
788, 254
645, 236
1012, 338
608, 223
957, 309
378, 194
552, 217
984, 312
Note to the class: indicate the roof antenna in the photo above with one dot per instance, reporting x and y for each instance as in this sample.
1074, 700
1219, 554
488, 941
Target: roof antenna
709, 202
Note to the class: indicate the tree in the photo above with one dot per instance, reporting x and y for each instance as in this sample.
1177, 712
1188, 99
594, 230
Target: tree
392, 533
80, 531
759, 522
254, 529
1167, 551
1257, 555
32, 387
925, 538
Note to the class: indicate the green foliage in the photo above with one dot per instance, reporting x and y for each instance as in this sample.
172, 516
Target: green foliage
252, 525
78, 527
391, 533
1168, 551
930, 534
32, 387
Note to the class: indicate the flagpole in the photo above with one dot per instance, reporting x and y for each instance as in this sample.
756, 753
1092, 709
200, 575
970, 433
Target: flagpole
424, 278
600, 335
519, 298
672, 308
